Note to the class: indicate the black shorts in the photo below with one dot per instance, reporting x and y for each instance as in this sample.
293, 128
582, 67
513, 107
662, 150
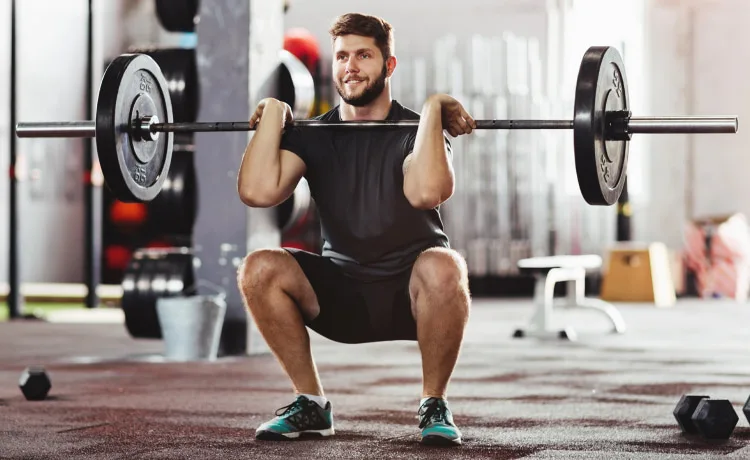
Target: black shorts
354, 311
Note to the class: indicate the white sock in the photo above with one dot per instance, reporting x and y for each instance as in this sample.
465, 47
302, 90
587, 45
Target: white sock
321, 400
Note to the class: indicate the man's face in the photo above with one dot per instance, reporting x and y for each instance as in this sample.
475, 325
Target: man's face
359, 70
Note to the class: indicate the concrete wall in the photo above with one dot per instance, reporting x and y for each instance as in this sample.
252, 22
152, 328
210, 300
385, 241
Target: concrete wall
660, 213
719, 179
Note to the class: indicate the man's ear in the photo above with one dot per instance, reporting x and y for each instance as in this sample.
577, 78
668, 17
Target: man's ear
390, 64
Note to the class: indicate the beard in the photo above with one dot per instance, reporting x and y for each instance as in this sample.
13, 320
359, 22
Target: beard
373, 89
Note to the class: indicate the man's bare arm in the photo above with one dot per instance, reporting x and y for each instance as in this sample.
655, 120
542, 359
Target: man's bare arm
268, 175
428, 170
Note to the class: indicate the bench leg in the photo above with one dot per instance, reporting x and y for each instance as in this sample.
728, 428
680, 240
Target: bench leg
541, 321
576, 298
618, 323
544, 290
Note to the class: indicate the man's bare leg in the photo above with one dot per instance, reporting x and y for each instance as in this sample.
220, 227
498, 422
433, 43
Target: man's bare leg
277, 294
439, 290
440, 300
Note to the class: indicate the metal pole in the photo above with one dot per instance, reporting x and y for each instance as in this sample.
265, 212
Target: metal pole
14, 293
92, 193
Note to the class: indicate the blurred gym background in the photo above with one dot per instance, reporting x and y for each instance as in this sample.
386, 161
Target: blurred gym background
516, 194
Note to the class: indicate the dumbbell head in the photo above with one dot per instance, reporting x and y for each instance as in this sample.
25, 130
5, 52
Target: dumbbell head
34, 383
746, 409
683, 412
715, 418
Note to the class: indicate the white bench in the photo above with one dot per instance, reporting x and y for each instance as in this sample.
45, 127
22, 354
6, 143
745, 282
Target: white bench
549, 271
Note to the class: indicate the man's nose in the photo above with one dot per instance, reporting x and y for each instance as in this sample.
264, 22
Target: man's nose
351, 66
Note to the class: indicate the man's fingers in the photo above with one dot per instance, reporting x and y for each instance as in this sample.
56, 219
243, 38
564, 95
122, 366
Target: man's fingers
255, 118
469, 119
455, 128
463, 126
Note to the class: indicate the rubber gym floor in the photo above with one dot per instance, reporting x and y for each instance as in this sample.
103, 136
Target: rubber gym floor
602, 397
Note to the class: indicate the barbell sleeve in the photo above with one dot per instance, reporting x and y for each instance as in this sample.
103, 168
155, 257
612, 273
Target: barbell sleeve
56, 129
682, 125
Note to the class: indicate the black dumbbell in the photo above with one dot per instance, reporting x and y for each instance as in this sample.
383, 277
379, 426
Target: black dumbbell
34, 383
746, 409
711, 418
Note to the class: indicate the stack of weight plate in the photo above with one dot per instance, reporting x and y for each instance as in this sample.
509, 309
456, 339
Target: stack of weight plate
177, 15
151, 274
174, 209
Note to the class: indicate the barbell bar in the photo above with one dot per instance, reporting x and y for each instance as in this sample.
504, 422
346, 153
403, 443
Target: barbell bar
134, 109
648, 125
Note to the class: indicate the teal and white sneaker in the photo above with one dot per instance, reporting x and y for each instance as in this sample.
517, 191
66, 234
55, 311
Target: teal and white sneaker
300, 417
436, 422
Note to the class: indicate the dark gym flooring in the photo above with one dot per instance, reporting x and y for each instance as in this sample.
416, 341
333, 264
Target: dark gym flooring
604, 397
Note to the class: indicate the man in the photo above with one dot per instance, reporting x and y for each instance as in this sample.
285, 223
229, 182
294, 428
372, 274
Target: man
386, 271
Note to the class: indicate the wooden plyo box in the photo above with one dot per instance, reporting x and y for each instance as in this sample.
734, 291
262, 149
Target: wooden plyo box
639, 273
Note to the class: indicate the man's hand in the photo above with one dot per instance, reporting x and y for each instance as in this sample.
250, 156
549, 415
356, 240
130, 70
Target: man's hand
267, 102
455, 119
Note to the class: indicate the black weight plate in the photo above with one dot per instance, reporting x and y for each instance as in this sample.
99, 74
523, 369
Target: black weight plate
294, 208
601, 165
173, 211
134, 169
137, 305
153, 274
177, 15
179, 69
182, 281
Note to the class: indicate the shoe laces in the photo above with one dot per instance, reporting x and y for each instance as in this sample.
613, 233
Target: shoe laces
433, 410
296, 406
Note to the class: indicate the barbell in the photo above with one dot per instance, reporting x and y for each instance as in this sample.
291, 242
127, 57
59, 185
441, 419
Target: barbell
134, 126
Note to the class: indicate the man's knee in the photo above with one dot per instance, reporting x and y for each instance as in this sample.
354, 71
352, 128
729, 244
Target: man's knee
261, 267
440, 270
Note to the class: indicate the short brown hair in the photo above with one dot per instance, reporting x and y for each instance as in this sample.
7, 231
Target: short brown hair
366, 26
